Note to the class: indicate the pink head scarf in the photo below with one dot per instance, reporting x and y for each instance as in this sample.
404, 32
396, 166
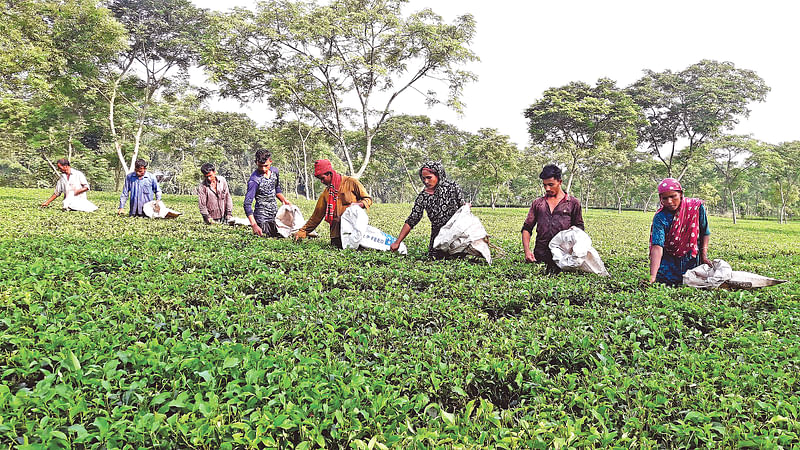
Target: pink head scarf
669, 184
685, 229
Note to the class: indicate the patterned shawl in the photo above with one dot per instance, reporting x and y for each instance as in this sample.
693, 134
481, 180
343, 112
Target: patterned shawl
685, 229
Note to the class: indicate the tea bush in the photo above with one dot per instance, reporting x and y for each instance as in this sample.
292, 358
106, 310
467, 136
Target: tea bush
123, 332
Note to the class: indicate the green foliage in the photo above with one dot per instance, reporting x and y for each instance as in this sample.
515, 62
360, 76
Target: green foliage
342, 63
118, 332
695, 104
580, 120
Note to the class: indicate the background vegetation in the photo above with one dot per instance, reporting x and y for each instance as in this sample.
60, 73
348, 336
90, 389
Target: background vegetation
103, 83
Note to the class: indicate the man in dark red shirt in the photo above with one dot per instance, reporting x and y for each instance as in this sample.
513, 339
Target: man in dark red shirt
555, 211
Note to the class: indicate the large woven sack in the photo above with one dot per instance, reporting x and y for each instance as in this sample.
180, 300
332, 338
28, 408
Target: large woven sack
464, 234
356, 232
572, 251
708, 277
720, 275
289, 219
78, 203
155, 209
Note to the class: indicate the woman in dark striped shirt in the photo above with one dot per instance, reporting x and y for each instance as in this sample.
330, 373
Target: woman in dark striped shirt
441, 198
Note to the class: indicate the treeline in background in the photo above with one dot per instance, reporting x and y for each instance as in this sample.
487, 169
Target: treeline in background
105, 83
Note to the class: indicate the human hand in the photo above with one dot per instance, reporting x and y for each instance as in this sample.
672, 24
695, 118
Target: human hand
287, 203
705, 260
257, 230
299, 235
119, 211
529, 257
395, 245
44, 205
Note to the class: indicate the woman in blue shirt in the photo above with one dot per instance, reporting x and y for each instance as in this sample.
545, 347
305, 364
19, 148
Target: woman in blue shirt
679, 235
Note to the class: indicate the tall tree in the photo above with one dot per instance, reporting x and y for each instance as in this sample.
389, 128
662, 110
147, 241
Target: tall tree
164, 40
51, 51
400, 148
692, 106
781, 166
732, 157
345, 63
579, 119
490, 160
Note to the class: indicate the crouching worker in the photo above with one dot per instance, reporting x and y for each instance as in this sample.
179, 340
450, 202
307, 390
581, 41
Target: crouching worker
213, 196
679, 235
440, 198
73, 184
263, 187
552, 213
340, 192
139, 187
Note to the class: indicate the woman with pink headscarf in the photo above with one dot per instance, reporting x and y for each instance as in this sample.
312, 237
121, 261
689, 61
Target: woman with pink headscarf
679, 235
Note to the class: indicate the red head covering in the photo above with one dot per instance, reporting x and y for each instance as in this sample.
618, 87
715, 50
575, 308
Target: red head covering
321, 167
669, 184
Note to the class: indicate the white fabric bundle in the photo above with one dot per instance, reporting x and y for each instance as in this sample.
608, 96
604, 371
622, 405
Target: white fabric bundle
572, 250
155, 209
78, 203
720, 274
289, 219
356, 232
464, 233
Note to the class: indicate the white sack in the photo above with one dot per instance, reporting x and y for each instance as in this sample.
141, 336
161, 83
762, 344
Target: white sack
238, 221
705, 276
356, 231
289, 219
464, 233
78, 203
572, 250
720, 274
748, 280
155, 209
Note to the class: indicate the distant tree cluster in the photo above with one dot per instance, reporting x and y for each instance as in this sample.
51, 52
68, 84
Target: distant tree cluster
106, 83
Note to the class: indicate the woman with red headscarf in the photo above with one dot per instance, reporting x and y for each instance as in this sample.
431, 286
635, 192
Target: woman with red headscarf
340, 192
679, 235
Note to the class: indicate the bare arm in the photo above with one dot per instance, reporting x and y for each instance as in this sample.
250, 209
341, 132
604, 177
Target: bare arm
704, 249
526, 245
283, 200
52, 197
656, 253
403, 233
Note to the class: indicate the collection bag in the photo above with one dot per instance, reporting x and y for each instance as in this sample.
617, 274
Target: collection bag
155, 209
572, 251
464, 234
356, 232
720, 275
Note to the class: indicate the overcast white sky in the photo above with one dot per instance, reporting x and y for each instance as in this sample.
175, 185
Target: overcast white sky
526, 47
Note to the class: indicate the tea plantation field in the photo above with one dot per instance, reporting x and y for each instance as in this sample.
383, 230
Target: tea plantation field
120, 332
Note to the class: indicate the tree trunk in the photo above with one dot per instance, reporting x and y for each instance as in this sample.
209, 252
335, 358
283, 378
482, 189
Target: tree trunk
305, 172
647, 202
733, 206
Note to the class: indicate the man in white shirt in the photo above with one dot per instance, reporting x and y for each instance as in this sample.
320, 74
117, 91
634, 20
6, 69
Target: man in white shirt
73, 185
